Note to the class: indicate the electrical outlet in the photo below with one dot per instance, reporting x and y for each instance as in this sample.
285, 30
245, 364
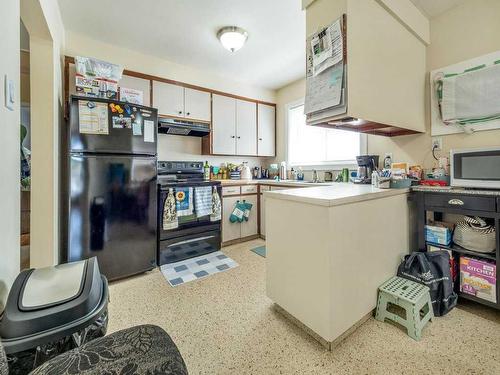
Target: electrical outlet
437, 144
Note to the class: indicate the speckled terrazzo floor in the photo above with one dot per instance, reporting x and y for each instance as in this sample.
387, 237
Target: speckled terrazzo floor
225, 324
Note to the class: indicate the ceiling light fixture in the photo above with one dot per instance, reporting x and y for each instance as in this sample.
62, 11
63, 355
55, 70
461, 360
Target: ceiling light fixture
232, 37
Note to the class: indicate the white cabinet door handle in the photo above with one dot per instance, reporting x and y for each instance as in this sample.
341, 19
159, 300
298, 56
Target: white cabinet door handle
456, 202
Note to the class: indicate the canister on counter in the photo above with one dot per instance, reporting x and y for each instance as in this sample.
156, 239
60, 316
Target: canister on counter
345, 174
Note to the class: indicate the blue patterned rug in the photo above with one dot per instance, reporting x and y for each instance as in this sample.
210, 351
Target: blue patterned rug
261, 250
196, 268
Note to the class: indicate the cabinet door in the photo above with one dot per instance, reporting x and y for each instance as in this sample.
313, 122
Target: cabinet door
266, 130
140, 84
197, 104
169, 99
223, 125
230, 231
250, 227
246, 128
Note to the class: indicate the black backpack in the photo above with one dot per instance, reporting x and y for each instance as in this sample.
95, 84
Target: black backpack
433, 270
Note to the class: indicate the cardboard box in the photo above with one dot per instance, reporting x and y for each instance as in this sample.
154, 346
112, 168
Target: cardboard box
439, 232
478, 278
96, 87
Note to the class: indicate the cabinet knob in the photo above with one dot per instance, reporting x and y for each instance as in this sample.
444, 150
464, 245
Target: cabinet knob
260, 139
239, 137
180, 112
232, 136
188, 113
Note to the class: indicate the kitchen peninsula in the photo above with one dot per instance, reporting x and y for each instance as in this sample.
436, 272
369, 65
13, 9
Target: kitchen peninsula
328, 250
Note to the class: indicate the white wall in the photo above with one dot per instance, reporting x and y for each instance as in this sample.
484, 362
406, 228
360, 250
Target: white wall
170, 147
9, 150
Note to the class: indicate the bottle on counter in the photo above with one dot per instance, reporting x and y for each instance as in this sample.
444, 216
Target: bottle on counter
282, 171
206, 171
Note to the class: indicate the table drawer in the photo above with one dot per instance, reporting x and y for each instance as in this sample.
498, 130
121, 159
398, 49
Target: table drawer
465, 202
231, 190
249, 189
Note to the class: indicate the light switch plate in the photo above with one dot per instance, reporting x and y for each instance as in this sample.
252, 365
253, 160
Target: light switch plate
9, 93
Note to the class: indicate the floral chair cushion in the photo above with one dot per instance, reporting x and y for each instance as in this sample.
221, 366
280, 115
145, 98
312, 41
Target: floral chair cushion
4, 368
145, 349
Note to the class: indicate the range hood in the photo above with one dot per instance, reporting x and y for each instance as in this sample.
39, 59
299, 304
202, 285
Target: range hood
174, 126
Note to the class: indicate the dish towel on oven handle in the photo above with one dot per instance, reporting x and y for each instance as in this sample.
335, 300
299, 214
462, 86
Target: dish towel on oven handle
170, 212
216, 206
203, 200
184, 201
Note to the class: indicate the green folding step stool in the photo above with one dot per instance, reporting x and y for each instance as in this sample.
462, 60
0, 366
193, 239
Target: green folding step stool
413, 297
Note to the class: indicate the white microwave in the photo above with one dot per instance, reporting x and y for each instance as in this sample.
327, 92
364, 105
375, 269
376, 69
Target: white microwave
475, 168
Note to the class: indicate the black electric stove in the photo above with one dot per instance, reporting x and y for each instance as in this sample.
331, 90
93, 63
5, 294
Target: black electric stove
194, 235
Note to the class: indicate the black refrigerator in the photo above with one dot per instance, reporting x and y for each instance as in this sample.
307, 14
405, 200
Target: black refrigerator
108, 183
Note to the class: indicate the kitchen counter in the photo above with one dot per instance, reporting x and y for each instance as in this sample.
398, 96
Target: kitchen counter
328, 250
290, 183
455, 190
335, 194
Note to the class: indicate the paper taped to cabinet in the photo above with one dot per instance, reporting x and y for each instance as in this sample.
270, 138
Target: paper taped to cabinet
327, 47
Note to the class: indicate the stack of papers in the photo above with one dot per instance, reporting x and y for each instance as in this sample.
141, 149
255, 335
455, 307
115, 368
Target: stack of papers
326, 74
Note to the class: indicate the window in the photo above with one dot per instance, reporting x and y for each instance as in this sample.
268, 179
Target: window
317, 146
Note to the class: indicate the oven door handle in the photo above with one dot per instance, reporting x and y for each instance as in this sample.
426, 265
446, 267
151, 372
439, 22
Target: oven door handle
191, 240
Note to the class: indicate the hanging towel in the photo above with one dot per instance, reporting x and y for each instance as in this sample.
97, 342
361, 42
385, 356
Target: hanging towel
216, 206
203, 200
246, 211
238, 212
472, 96
170, 212
184, 201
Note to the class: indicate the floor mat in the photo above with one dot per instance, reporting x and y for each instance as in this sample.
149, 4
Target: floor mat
261, 250
197, 268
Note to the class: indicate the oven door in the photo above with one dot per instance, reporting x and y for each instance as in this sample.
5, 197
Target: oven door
185, 223
476, 168
188, 246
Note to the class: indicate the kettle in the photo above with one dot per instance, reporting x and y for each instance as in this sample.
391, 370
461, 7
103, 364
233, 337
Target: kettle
245, 172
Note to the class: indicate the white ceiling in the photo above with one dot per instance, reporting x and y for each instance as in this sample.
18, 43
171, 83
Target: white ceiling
434, 8
184, 31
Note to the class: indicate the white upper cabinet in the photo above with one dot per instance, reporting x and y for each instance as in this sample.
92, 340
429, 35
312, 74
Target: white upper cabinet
168, 98
246, 128
386, 64
140, 84
177, 101
234, 126
266, 119
197, 104
223, 125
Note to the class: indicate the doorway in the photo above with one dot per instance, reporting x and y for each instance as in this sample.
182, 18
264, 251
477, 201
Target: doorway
25, 146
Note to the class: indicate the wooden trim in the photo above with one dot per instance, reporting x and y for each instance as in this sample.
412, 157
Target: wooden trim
151, 92
240, 240
70, 60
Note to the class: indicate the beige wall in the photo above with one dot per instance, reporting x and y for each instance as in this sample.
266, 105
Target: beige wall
293, 92
455, 37
466, 31
9, 150
44, 24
